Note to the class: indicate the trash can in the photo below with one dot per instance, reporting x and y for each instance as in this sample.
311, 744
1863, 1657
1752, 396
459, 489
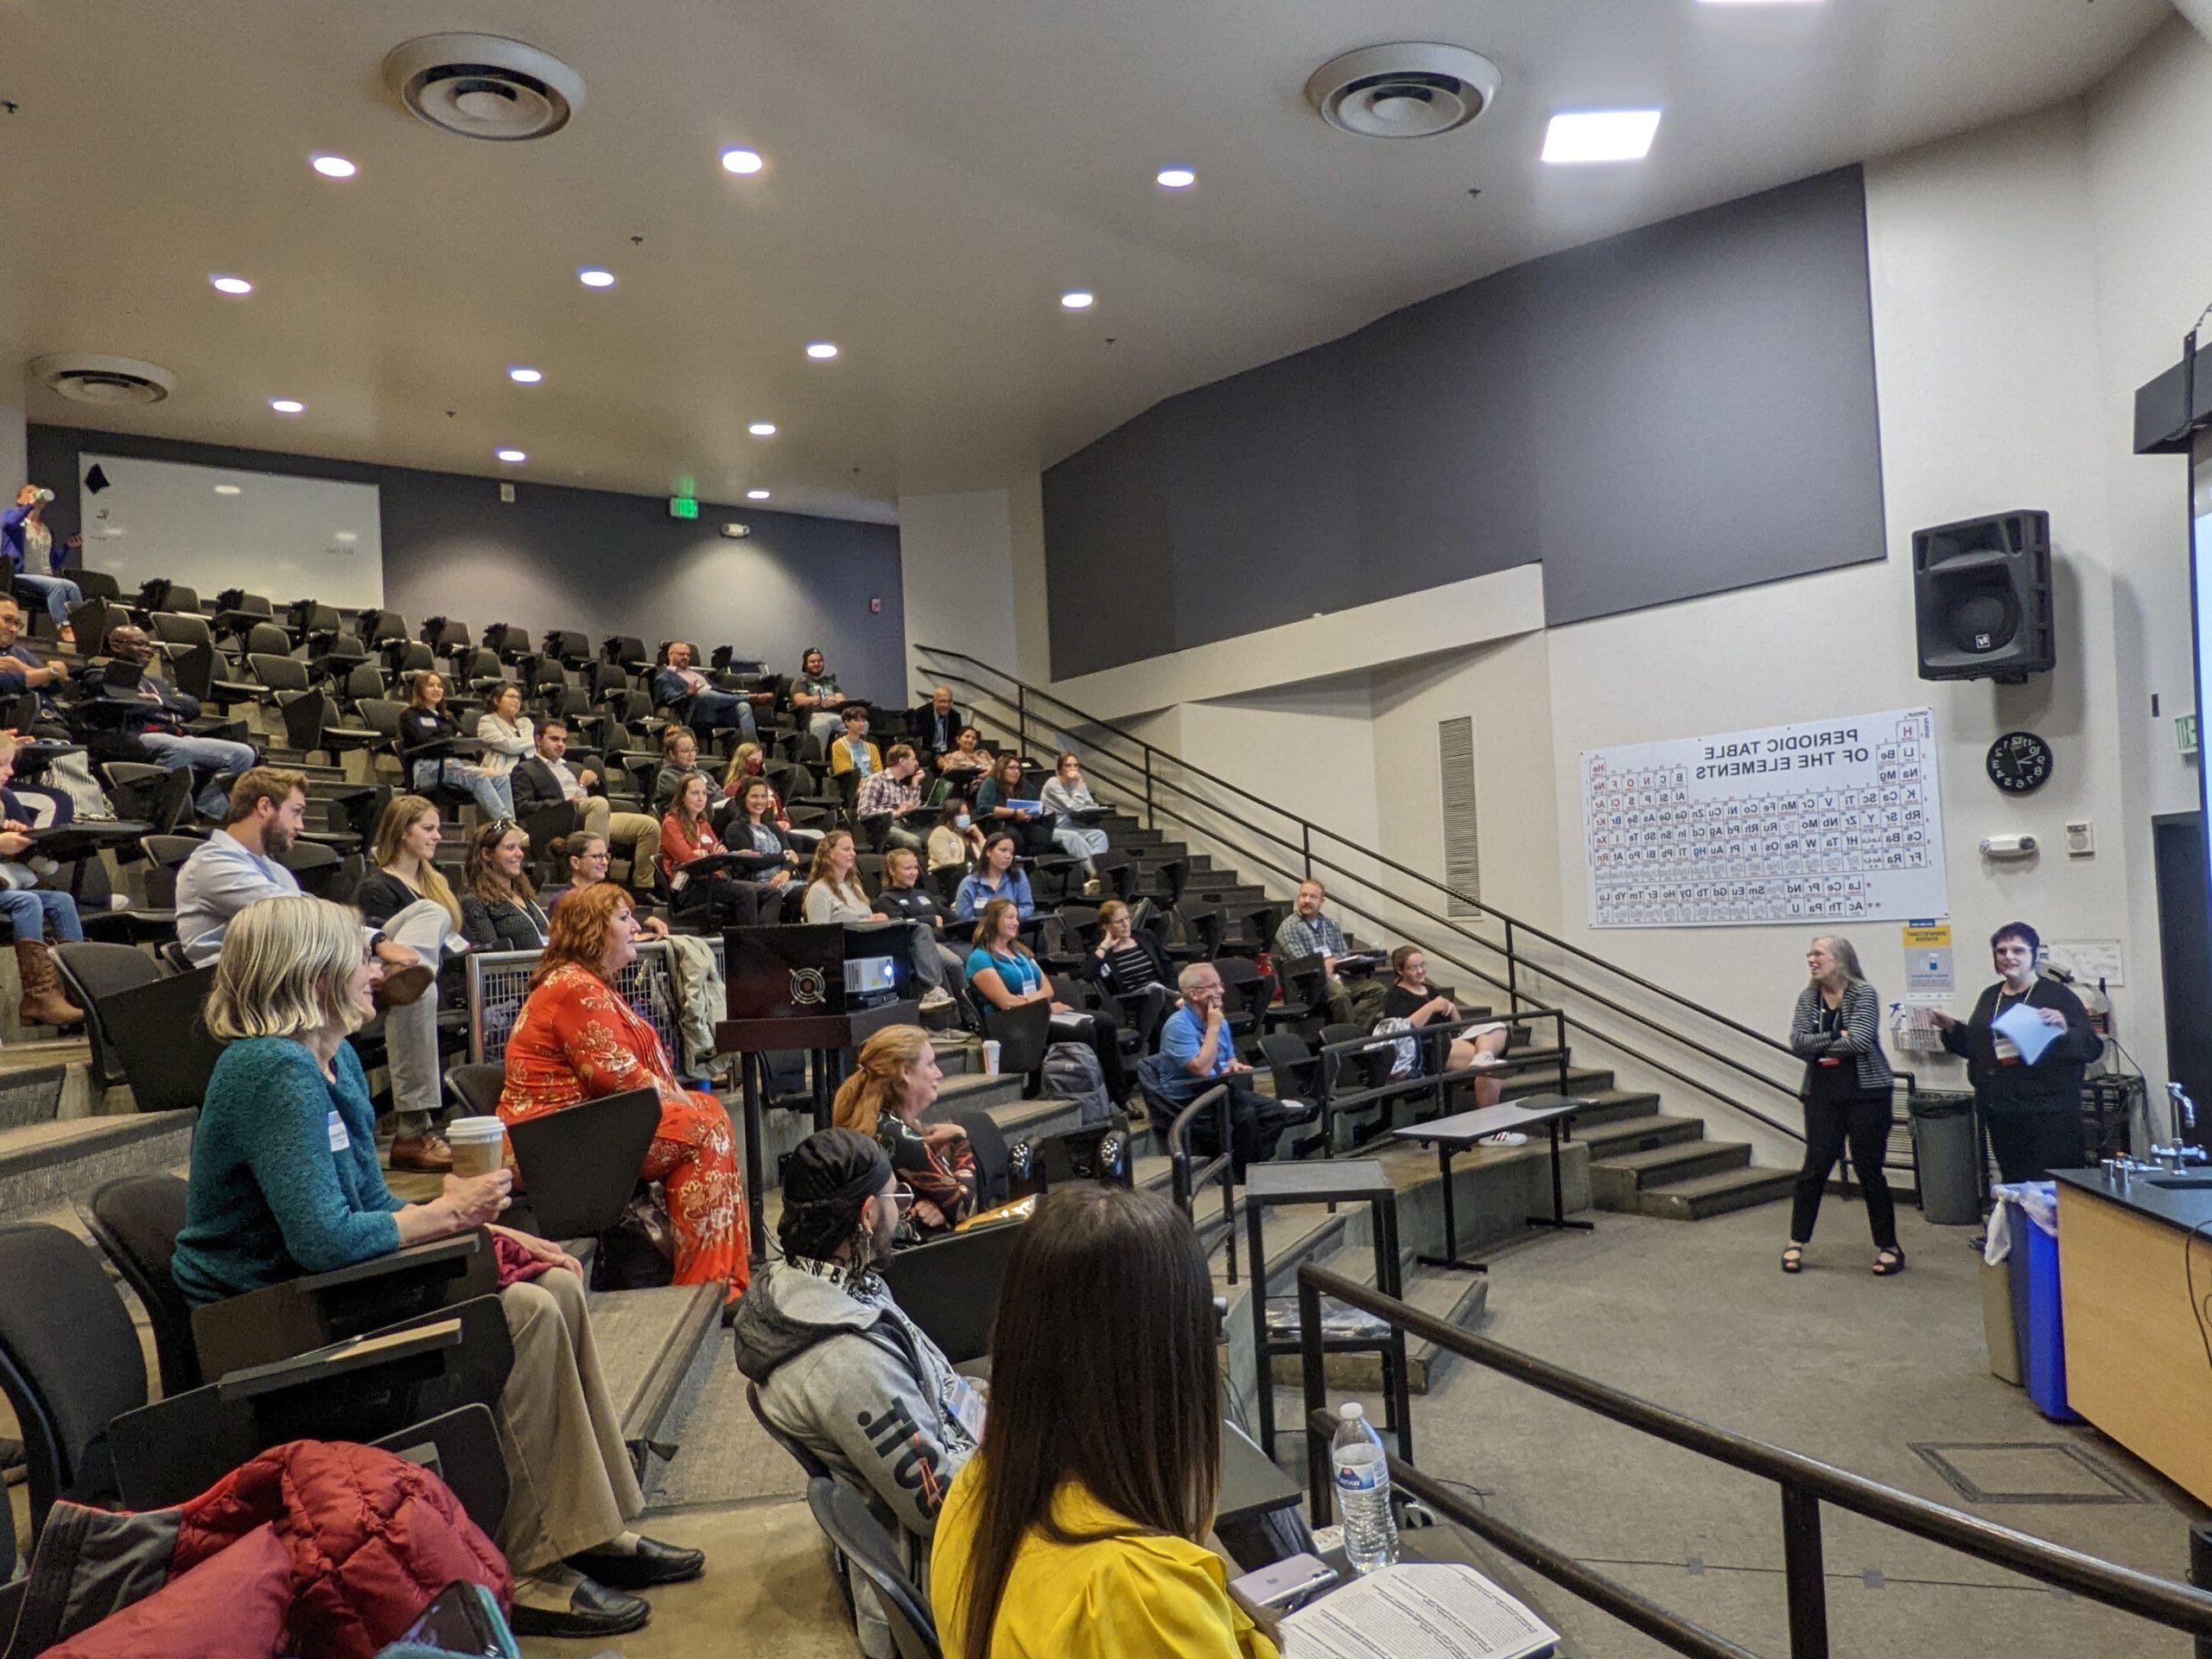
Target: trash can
2000, 1329
1950, 1163
2031, 1221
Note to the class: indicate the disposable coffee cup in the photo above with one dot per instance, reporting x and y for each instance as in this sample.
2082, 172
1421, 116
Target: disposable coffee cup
478, 1143
991, 1058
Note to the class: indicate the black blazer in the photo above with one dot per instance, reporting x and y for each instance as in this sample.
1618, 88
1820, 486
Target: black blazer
2053, 1083
506, 925
934, 733
536, 786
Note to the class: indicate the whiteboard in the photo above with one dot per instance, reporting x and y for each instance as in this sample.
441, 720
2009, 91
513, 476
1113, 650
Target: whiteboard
1828, 820
217, 527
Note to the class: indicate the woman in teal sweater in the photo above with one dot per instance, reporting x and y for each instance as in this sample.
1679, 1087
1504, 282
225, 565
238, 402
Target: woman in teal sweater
285, 1182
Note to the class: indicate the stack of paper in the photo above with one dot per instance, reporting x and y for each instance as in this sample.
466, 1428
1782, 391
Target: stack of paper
1417, 1610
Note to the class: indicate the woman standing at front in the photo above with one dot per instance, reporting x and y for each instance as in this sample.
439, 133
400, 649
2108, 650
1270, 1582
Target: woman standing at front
2033, 1111
1837, 1028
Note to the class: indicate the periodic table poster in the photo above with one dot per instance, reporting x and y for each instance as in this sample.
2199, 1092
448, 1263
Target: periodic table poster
1831, 820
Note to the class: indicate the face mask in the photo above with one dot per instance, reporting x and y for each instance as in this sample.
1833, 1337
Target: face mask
960, 821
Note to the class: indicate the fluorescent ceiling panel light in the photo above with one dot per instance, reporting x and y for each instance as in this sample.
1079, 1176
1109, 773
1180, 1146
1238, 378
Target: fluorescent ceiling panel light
1600, 135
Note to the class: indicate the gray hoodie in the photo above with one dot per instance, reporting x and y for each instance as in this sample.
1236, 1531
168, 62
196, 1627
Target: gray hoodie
841, 1368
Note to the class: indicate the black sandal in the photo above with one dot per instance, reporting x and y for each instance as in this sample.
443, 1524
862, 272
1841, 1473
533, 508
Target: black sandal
1793, 1259
1887, 1263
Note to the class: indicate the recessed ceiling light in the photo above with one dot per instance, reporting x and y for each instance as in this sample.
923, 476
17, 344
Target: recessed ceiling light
762, 428
823, 350
332, 166
1176, 178
742, 161
756, 495
513, 457
231, 284
288, 406
227, 489
1601, 136
1753, 2
523, 377
1078, 299
593, 277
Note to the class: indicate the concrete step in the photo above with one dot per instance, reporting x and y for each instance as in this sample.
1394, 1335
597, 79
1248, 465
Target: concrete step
31, 1095
1717, 1194
43, 1164
1611, 1105
1581, 1080
1617, 1137
973, 1091
647, 1340
1615, 1183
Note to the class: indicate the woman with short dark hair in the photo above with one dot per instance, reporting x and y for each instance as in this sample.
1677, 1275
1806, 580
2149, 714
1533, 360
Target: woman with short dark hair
2033, 1111
1837, 1028
1078, 1531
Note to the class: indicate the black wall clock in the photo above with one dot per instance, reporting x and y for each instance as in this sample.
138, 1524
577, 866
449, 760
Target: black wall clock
2019, 762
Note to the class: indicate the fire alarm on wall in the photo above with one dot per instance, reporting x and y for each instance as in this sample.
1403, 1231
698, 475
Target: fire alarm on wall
875, 607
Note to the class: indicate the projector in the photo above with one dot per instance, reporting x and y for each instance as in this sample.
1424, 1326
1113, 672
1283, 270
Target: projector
871, 980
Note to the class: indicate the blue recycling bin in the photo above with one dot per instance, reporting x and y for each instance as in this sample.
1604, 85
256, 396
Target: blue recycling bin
2041, 1318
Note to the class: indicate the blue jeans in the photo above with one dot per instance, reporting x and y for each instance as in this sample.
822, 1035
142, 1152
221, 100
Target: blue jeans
173, 751
58, 591
30, 912
495, 796
712, 711
1080, 840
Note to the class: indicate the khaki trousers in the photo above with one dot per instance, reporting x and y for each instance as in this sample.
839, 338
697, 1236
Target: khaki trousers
569, 1483
634, 831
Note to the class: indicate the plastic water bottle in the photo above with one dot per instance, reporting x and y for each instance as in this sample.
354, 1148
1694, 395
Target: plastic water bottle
1363, 1492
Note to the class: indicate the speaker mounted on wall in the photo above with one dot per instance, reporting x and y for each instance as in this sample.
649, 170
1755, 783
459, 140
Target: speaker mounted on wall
1981, 599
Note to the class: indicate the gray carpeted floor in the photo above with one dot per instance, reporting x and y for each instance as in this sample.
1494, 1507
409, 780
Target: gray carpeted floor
726, 1456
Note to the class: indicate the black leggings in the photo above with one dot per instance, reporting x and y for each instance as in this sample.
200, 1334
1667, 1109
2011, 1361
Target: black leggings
1862, 1121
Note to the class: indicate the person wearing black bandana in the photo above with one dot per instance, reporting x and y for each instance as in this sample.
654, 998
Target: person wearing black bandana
837, 1364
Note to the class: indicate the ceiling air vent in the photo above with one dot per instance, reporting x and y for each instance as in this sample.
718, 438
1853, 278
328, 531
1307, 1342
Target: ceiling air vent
484, 85
1412, 90
90, 378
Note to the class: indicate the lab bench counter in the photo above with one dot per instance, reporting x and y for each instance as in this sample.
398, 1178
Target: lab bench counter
2136, 1362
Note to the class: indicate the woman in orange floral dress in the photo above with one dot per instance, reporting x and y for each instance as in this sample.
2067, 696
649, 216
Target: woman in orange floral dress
577, 1039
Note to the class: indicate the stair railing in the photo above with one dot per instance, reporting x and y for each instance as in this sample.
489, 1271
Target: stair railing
1806, 1484
1036, 718
1189, 1178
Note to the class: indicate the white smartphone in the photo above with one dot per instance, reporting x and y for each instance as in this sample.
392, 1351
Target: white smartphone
1284, 1584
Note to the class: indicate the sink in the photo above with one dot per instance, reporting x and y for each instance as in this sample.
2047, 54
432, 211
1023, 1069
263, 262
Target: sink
2198, 1183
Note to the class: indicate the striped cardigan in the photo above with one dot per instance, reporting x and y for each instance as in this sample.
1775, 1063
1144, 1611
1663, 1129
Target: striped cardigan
1862, 1013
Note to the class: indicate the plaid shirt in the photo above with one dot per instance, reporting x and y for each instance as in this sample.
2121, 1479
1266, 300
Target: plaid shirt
882, 795
1297, 937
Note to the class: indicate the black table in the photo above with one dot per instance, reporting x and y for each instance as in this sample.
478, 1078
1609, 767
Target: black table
1455, 1135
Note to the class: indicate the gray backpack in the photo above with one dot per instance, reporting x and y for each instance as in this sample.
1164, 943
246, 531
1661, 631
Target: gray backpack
1071, 1073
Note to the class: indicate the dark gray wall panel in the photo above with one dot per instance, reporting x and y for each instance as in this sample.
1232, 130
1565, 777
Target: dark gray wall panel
605, 562
1682, 410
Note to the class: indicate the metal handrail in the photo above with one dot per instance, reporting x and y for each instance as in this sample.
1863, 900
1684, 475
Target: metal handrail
1308, 827
1806, 1482
1185, 1181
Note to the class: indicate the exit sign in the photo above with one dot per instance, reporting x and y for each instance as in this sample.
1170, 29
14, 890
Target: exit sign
2185, 734
683, 507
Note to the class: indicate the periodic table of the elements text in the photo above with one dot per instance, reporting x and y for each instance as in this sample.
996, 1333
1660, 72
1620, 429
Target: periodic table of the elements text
1832, 820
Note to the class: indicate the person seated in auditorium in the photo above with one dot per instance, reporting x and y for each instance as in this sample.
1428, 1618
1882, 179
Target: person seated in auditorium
586, 860
427, 733
407, 898
1001, 972
546, 780
892, 797
689, 696
31, 912
578, 1038
505, 732
816, 696
1064, 796
834, 893
1413, 1000
755, 828
28, 545
1131, 968
995, 876
967, 761
1199, 1051
832, 1356
499, 911
894, 1082
902, 899
23, 670
1306, 933
852, 752
158, 718
747, 762
995, 805
679, 760
936, 724
284, 1182
955, 840
1068, 1535
686, 837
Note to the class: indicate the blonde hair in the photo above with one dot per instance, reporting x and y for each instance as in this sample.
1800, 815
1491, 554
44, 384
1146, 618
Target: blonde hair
737, 771
876, 1084
820, 869
401, 814
284, 969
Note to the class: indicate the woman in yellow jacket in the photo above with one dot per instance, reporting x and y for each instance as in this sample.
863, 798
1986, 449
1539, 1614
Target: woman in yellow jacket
1074, 1533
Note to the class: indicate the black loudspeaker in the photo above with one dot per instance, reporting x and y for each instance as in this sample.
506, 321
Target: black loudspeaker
1981, 599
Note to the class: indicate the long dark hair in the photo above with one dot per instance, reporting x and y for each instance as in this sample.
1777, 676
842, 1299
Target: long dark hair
1102, 1373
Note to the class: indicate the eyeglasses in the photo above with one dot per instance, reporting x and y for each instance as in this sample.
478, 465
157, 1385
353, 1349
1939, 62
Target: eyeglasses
902, 1197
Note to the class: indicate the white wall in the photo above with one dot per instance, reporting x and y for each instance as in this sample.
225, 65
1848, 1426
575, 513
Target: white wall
957, 572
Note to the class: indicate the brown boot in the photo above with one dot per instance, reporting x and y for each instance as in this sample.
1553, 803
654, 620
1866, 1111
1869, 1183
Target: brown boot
43, 1003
